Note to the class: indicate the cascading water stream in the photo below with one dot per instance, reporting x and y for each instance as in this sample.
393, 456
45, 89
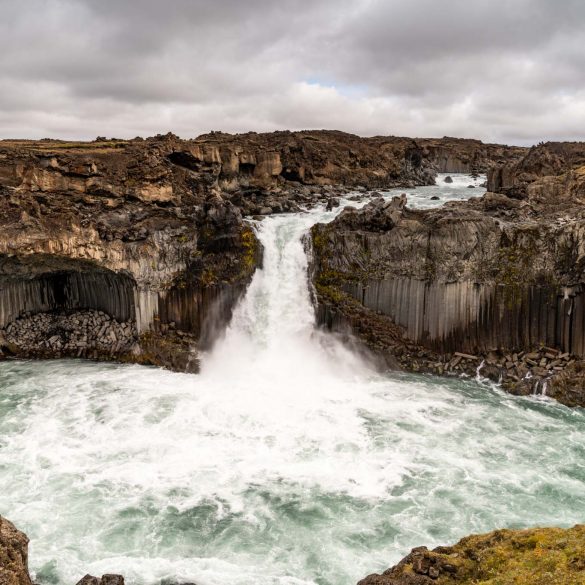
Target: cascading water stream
288, 461
273, 331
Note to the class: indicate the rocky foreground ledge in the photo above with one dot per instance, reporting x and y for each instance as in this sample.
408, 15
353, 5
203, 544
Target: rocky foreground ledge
491, 286
541, 556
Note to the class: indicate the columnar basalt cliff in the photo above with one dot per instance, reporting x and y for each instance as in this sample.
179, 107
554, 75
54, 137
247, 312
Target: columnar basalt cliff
126, 252
464, 155
497, 280
137, 250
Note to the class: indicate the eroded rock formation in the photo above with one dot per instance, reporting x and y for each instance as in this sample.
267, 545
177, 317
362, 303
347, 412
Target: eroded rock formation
494, 279
464, 155
129, 232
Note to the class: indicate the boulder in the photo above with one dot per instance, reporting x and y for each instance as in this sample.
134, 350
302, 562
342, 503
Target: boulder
108, 579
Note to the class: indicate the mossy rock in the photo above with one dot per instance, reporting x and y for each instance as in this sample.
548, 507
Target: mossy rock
539, 556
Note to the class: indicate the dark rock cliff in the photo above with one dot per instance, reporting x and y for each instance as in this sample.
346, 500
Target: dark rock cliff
117, 252
462, 155
498, 278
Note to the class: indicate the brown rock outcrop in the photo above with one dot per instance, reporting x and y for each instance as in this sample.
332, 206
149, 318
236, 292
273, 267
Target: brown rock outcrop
138, 231
322, 157
13, 555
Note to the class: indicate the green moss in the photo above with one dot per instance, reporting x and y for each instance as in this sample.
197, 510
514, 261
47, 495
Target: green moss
207, 277
250, 247
83, 145
511, 275
320, 240
330, 293
515, 267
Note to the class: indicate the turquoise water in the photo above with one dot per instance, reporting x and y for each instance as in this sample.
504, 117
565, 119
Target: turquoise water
161, 475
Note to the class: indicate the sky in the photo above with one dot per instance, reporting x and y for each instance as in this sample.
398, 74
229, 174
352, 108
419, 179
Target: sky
509, 71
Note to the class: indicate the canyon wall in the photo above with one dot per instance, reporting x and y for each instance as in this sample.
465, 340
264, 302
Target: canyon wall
465, 155
142, 244
140, 254
490, 278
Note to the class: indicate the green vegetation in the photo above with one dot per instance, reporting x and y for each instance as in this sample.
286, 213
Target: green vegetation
250, 246
49, 145
207, 277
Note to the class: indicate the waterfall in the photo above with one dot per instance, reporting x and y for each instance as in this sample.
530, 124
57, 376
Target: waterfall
273, 328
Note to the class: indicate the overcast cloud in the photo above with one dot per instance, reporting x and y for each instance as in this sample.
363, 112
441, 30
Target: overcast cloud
508, 71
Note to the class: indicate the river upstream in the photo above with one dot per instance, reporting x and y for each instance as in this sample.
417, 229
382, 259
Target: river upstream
287, 461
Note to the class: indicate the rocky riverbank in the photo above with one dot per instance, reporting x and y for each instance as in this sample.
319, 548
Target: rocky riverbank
13, 555
496, 281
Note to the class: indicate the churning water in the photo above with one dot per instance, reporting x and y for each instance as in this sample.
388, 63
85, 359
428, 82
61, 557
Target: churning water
287, 461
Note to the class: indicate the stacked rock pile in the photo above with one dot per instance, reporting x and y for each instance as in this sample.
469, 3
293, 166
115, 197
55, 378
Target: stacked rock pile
80, 333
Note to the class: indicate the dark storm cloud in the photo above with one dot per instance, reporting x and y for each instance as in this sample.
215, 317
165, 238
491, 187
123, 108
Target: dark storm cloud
510, 71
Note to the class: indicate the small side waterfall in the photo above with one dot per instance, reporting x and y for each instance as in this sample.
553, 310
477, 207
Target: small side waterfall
540, 387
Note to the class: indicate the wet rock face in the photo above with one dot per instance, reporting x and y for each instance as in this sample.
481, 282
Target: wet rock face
497, 274
108, 579
507, 557
13, 555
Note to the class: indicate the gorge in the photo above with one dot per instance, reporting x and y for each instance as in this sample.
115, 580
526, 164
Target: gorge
292, 457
